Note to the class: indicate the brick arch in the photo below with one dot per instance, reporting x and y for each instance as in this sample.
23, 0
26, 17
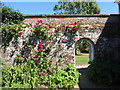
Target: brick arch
92, 48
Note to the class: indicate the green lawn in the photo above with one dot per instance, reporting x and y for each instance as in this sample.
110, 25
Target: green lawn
83, 58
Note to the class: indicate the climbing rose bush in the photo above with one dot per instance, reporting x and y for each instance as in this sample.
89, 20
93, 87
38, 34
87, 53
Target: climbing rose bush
35, 66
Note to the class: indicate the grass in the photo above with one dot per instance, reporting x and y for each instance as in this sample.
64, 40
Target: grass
83, 58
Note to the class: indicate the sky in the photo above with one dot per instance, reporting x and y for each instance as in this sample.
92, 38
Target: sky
32, 8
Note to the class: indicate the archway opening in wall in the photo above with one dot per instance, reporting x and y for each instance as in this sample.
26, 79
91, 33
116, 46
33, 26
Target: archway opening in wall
84, 53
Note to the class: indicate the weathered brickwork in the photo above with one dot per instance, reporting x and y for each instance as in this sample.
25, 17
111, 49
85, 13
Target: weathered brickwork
102, 30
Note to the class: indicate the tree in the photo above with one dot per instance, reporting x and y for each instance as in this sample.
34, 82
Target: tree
82, 46
76, 7
10, 16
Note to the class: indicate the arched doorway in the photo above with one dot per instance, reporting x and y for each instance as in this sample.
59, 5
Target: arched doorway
84, 52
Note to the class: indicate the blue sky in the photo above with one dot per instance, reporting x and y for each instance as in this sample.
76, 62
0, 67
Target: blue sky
47, 7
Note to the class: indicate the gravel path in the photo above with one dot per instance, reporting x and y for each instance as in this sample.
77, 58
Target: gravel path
86, 83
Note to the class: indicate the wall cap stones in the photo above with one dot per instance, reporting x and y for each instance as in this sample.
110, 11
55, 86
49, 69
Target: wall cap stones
72, 15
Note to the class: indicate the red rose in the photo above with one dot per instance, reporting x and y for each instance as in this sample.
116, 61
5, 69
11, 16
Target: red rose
75, 22
63, 41
72, 24
39, 21
75, 38
54, 47
40, 44
30, 25
20, 32
35, 26
40, 47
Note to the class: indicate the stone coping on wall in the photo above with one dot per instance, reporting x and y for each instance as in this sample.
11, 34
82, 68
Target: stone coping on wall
69, 18
71, 15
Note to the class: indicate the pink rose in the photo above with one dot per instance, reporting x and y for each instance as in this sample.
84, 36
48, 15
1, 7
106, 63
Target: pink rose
50, 26
34, 50
36, 59
40, 50
41, 73
46, 41
29, 48
68, 26
11, 30
74, 28
9, 27
27, 55
34, 44
62, 25
58, 27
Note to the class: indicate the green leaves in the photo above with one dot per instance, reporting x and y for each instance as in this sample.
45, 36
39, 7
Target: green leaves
21, 76
81, 7
63, 78
8, 32
104, 71
32, 66
11, 17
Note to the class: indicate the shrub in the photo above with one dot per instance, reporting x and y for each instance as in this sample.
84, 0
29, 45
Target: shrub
105, 72
29, 76
24, 76
31, 66
63, 78
9, 31
10, 16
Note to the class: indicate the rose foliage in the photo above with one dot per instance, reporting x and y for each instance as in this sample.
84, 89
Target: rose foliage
33, 66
